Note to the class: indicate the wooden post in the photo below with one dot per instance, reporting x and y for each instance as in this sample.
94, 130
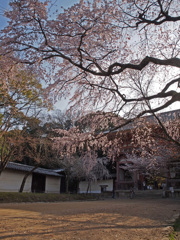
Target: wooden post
117, 174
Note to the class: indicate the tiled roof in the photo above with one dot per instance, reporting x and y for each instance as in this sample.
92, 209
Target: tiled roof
27, 168
164, 116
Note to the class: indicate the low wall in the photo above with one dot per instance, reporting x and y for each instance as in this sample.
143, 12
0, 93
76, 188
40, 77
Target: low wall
52, 184
10, 181
96, 186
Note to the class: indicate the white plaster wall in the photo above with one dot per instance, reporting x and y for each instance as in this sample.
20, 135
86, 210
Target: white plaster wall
10, 181
52, 184
95, 186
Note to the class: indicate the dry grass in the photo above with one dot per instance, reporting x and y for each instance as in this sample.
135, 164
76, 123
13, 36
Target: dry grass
9, 197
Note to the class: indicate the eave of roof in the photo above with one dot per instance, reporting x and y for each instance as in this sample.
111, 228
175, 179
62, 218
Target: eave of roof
27, 168
150, 119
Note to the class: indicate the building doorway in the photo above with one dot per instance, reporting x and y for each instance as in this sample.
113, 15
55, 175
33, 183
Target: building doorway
38, 183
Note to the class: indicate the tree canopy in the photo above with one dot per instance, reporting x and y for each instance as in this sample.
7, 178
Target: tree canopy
118, 56
114, 56
21, 99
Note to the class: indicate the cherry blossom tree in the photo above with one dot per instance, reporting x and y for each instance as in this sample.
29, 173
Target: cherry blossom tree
35, 149
96, 51
119, 57
20, 101
156, 144
86, 166
148, 145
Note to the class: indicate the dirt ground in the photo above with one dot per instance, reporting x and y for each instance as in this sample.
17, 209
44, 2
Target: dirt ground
122, 219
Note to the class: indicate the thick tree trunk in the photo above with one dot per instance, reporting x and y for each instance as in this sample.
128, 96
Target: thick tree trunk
25, 178
88, 187
3, 166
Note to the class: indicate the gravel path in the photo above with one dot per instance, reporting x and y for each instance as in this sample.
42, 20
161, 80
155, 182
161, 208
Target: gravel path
122, 219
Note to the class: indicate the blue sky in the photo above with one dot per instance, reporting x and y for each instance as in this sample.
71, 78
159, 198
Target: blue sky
4, 5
